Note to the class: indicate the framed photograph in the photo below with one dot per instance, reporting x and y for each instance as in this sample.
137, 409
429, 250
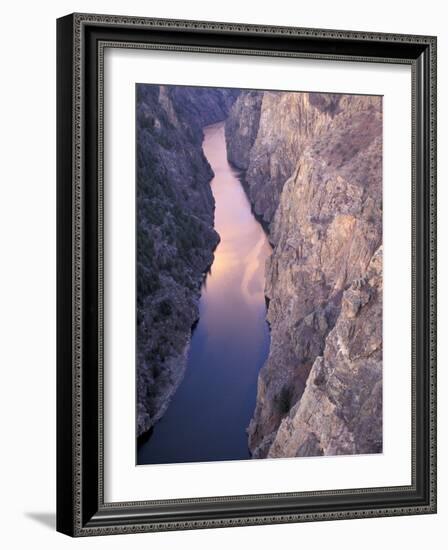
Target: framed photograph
246, 274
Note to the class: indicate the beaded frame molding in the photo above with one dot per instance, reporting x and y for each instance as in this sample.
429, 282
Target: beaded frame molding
81, 40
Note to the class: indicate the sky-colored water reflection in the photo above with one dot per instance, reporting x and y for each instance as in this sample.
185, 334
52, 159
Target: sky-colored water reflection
209, 414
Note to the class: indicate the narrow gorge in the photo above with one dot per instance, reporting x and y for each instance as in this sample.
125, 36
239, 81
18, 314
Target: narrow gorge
175, 234
311, 168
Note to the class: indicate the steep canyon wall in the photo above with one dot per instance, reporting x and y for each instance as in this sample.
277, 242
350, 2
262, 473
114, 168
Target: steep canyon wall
313, 173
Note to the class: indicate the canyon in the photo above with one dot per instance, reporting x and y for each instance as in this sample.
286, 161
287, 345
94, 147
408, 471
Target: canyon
175, 234
208, 414
311, 167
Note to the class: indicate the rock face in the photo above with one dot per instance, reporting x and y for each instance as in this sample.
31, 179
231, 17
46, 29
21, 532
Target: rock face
175, 235
242, 128
266, 132
314, 175
340, 411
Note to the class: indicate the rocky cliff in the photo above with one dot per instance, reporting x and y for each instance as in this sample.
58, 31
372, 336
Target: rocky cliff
340, 411
314, 175
241, 128
175, 235
265, 133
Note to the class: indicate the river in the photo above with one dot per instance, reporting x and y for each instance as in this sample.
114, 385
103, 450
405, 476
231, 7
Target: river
210, 411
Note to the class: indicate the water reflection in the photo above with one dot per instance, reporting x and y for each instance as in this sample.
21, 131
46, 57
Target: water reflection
209, 414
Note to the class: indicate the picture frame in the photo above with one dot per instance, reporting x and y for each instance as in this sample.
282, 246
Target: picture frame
81, 506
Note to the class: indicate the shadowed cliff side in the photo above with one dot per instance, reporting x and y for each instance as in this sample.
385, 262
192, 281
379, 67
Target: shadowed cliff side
241, 128
175, 235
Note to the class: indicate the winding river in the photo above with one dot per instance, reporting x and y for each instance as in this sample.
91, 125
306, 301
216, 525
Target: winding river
208, 415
